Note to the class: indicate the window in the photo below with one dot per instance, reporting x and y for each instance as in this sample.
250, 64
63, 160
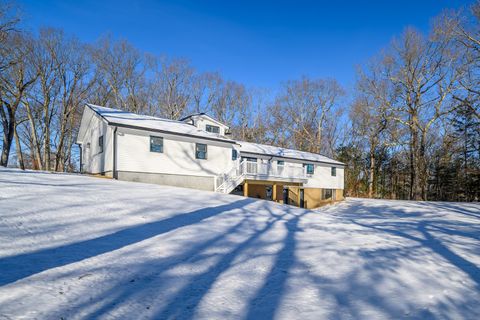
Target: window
310, 168
327, 194
334, 172
100, 144
249, 159
200, 151
213, 129
280, 163
156, 144
234, 154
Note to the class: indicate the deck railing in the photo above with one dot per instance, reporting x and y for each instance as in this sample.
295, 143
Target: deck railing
270, 170
235, 175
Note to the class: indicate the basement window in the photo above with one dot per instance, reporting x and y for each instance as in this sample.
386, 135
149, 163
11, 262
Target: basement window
212, 129
100, 144
200, 151
327, 194
310, 168
334, 172
156, 144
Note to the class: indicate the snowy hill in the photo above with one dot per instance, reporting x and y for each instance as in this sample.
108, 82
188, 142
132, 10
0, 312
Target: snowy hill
75, 247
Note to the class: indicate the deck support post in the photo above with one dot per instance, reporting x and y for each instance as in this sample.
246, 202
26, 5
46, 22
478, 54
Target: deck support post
245, 189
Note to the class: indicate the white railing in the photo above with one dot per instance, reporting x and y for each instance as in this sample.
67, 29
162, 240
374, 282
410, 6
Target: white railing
229, 180
270, 170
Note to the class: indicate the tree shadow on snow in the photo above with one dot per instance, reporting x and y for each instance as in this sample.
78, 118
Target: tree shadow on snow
359, 287
184, 303
35, 262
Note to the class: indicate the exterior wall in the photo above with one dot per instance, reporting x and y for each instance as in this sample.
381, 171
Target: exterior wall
257, 191
184, 181
322, 177
312, 197
178, 157
94, 161
339, 195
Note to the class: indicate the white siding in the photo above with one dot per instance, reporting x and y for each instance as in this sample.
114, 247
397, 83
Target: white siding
93, 160
178, 155
322, 177
201, 123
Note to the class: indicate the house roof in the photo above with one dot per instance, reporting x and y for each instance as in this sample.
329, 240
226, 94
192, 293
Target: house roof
121, 118
263, 149
117, 117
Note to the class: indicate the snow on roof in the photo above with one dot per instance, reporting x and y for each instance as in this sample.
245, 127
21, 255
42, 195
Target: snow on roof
249, 147
192, 115
129, 119
203, 114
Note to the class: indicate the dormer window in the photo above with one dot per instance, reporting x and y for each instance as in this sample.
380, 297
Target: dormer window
212, 129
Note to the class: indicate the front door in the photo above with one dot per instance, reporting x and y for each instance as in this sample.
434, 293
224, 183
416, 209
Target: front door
302, 201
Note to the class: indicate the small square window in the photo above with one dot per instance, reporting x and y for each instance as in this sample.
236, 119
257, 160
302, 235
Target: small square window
156, 144
100, 144
334, 172
234, 154
200, 151
327, 194
212, 129
280, 163
310, 168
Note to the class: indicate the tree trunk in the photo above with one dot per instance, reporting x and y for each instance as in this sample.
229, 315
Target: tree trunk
371, 173
8, 132
422, 170
37, 154
47, 140
59, 156
415, 161
21, 162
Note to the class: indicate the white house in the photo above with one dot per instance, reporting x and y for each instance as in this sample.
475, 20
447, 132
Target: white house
195, 152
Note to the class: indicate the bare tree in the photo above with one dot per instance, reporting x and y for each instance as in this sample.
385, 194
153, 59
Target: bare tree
205, 88
14, 82
370, 114
75, 86
120, 75
424, 73
308, 107
8, 25
172, 87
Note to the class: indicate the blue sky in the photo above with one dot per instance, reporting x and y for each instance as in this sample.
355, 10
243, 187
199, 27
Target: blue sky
258, 43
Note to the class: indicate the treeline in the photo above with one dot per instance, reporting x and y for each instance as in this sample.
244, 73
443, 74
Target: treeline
415, 116
409, 130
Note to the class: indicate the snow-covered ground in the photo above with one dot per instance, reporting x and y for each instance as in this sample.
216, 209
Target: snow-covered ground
74, 247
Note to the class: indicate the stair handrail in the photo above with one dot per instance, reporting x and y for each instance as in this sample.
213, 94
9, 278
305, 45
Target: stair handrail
231, 175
